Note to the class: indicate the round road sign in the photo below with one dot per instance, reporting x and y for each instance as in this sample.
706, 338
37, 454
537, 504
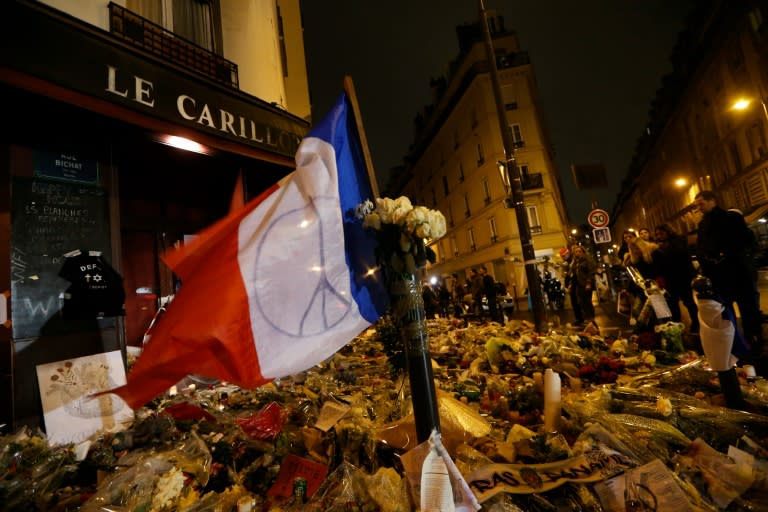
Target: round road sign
598, 218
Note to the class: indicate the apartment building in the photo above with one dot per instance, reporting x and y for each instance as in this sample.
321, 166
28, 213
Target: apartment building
708, 126
454, 165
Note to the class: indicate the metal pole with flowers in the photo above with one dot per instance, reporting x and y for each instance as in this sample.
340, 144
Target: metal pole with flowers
402, 231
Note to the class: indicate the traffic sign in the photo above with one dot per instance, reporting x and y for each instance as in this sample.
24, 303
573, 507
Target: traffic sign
598, 218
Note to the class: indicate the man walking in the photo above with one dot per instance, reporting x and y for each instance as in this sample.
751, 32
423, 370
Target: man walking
723, 248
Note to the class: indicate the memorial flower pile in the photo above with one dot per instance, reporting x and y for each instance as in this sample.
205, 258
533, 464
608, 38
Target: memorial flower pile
339, 434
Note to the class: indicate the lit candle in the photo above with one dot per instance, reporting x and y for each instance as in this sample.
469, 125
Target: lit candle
551, 400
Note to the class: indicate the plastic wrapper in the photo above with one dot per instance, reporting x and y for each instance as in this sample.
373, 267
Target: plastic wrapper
458, 422
31, 472
343, 490
153, 479
131, 488
265, 424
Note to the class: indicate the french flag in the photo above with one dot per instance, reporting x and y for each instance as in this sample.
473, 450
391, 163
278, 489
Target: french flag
277, 286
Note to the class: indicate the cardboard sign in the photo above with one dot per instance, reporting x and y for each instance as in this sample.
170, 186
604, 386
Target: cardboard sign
596, 465
294, 466
71, 415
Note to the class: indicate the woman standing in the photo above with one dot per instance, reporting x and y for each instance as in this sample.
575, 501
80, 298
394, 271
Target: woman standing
675, 272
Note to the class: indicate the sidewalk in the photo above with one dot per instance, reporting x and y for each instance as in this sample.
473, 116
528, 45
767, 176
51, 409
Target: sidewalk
606, 317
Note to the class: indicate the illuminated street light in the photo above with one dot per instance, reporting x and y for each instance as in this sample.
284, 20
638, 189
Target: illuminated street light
681, 182
574, 231
741, 104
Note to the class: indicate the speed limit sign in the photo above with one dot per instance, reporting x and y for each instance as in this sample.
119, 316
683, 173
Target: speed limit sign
598, 218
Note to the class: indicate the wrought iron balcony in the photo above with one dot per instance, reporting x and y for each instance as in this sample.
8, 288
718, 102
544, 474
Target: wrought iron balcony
533, 180
153, 38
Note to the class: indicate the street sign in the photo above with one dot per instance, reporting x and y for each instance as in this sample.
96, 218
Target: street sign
598, 218
601, 235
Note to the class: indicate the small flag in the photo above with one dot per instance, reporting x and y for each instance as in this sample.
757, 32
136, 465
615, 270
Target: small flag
277, 286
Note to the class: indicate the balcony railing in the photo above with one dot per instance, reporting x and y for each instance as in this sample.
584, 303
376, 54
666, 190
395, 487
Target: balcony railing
141, 32
533, 180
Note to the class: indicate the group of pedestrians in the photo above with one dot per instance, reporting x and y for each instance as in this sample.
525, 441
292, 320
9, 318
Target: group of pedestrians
665, 258
453, 298
724, 250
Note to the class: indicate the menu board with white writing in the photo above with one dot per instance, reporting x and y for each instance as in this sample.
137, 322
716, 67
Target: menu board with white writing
49, 218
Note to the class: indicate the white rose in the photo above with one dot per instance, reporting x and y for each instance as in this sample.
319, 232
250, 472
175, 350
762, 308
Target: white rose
402, 208
415, 218
384, 207
437, 223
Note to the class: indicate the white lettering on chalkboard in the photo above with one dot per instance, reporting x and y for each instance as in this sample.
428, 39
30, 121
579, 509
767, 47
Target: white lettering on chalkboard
41, 307
19, 265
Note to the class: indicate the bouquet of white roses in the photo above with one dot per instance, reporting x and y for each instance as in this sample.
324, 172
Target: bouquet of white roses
402, 231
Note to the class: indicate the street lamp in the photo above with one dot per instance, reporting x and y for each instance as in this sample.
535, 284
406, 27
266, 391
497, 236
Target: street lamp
506, 183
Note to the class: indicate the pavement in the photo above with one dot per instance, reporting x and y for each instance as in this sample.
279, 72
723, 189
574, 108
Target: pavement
607, 319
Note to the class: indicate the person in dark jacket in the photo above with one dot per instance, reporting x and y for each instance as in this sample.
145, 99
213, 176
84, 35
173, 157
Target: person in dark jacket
582, 278
723, 248
674, 273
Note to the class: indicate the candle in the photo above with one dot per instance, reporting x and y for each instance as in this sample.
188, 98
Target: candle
551, 400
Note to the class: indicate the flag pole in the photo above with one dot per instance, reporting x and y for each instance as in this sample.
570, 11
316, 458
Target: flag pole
408, 308
349, 88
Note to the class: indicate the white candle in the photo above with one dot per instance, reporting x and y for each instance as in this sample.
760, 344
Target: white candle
551, 400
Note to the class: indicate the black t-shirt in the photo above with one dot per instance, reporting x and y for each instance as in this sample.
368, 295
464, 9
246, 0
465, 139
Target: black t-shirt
96, 290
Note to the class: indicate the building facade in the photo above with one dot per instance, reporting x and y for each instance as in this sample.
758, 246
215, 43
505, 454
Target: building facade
708, 127
130, 126
455, 159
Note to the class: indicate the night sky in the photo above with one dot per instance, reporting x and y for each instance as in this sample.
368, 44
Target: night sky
598, 64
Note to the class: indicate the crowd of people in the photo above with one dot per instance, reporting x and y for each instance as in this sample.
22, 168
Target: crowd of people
478, 296
724, 251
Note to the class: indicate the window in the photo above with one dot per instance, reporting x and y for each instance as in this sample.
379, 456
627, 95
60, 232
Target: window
486, 191
517, 135
492, 228
480, 154
434, 198
454, 247
450, 215
445, 185
461, 173
194, 20
533, 218
736, 157
523, 170
467, 211
471, 239
756, 138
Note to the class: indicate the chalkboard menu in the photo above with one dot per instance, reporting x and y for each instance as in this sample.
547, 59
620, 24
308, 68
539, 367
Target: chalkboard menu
49, 219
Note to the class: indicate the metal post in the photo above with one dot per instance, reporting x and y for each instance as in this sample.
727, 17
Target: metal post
516, 185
